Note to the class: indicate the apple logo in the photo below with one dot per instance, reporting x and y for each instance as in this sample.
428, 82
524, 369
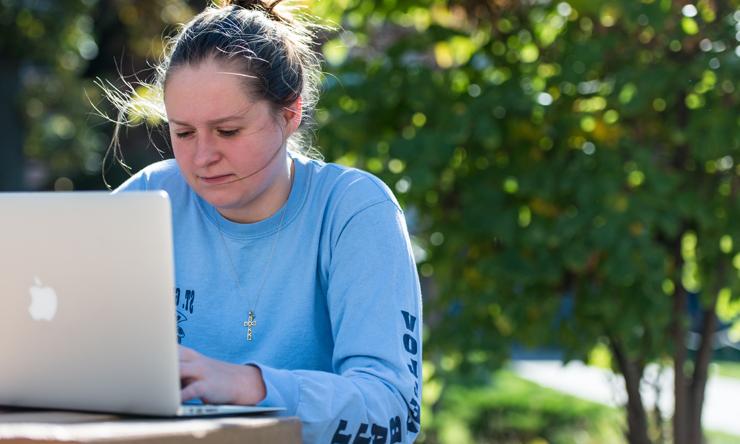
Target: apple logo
43, 301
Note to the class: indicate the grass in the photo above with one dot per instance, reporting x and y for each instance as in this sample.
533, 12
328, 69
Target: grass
512, 410
726, 369
721, 438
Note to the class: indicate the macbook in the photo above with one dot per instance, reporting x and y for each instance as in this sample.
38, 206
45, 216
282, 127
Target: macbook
88, 320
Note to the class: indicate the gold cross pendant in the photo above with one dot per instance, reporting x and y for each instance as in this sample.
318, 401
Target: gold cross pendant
249, 323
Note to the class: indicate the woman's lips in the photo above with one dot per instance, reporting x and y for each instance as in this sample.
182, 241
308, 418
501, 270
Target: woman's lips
217, 180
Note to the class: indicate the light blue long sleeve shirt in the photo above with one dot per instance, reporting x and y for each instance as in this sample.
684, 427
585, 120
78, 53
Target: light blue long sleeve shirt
338, 317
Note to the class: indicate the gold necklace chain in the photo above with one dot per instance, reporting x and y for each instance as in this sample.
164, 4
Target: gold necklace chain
251, 321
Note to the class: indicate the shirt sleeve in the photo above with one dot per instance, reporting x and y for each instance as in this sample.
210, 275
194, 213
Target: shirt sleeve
374, 300
137, 182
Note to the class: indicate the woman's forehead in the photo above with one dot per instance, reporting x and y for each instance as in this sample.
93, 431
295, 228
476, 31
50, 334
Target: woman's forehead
217, 70
205, 93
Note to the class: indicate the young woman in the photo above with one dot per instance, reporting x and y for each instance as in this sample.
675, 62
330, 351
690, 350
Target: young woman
296, 285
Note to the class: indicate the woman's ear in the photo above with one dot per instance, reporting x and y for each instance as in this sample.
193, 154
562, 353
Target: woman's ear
292, 115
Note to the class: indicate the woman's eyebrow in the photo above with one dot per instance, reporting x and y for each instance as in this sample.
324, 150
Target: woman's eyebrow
212, 122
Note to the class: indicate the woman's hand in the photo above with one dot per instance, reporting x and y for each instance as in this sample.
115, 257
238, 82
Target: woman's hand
218, 382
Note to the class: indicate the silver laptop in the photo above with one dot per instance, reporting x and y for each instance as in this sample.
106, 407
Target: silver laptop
88, 319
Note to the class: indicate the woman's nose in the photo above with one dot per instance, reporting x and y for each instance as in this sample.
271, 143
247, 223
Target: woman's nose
206, 152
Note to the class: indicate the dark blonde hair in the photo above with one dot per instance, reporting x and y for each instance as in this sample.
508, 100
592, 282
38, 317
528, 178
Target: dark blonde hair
271, 46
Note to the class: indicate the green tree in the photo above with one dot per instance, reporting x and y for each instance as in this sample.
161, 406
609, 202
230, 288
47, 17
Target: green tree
43, 47
51, 53
558, 154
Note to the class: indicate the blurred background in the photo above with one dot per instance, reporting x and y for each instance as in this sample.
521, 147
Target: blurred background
567, 169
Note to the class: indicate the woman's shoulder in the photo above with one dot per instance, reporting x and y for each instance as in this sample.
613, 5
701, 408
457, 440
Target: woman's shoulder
159, 175
345, 186
161, 171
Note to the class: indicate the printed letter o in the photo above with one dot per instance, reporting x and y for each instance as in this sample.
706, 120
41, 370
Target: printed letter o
409, 343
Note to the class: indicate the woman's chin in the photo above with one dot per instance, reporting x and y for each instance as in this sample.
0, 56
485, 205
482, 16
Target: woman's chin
219, 199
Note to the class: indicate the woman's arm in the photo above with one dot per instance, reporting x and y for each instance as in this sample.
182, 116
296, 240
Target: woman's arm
374, 303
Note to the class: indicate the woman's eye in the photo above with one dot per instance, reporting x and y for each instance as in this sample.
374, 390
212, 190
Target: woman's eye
228, 133
183, 134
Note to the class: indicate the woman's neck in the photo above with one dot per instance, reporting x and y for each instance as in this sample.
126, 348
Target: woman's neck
266, 203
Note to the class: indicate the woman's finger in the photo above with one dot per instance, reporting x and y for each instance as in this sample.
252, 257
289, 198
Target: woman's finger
191, 370
186, 354
192, 391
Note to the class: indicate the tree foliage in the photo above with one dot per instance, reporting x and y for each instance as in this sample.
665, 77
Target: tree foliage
573, 166
58, 49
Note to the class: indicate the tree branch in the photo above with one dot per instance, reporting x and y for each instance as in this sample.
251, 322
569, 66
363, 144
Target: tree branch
637, 432
701, 361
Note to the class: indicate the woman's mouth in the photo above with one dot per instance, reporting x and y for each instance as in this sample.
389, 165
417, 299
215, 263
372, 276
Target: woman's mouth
217, 180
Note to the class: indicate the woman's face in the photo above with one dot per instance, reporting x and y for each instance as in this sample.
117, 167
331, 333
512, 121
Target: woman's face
221, 137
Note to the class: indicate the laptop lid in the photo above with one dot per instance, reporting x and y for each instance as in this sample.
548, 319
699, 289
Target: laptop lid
88, 318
